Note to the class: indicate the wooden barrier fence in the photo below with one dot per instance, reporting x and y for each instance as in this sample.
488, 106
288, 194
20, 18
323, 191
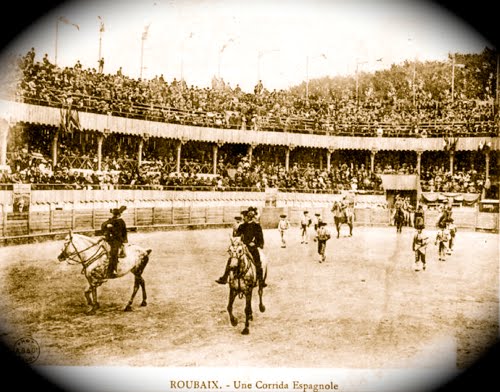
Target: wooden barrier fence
45, 223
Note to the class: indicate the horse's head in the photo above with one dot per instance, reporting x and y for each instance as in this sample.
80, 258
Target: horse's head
75, 246
236, 252
68, 247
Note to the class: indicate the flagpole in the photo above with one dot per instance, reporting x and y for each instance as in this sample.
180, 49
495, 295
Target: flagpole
307, 77
452, 77
142, 55
100, 44
57, 33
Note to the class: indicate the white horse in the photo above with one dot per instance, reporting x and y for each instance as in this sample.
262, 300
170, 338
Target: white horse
93, 255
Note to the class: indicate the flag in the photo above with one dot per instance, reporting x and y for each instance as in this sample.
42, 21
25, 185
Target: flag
101, 29
226, 44
145, 33
70, 120
65, 20
450, 143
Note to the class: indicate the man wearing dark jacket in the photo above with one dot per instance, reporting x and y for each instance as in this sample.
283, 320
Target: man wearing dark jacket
115, 234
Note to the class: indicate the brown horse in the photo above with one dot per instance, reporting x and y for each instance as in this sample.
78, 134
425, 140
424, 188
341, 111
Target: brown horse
342, 215
242, 280
93, 254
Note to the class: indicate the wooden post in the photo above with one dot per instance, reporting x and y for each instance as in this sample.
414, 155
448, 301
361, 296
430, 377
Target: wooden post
93, 215
73, 217
51, 218
4, 221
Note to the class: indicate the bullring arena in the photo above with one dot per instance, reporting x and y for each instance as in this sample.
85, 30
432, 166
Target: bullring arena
365, 307
184, 175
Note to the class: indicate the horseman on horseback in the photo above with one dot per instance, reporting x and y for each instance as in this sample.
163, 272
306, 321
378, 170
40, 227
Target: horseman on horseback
115, 234
343, 212
252, 236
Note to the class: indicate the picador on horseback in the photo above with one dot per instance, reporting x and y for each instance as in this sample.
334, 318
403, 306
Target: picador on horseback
115, 234
252, 236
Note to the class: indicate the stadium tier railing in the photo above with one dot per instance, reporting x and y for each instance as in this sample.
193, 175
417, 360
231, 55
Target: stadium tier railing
323, 125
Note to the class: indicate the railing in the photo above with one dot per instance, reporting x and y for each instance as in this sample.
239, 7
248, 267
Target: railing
322, 125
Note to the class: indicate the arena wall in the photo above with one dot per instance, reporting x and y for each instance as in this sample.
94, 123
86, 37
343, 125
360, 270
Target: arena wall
54, 213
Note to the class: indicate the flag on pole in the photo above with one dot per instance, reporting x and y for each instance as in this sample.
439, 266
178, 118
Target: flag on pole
226, 44
145, 33
101, 29
70, 120
65, 20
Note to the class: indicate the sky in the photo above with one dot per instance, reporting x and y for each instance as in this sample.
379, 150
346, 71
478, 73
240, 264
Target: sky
282, 43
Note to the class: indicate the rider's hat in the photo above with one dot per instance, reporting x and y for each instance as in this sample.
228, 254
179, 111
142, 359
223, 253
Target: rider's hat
322, 223
317, 214
237, 217
305, 212
283, 216
118, 211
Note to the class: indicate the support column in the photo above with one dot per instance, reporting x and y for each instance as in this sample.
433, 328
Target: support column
100, 139
215, 149
250, 152
287, 157
178, 162
320, 162
372, 159
419, 161
487, 164
4, 132
452, 158
179, 150
139, 152
54, 148
329, 153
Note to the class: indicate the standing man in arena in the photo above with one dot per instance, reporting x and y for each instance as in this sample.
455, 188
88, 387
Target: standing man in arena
305, 222
419, 246
283, 226
322, 235
115, 234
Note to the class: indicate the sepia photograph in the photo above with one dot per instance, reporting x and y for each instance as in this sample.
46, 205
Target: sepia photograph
249, 196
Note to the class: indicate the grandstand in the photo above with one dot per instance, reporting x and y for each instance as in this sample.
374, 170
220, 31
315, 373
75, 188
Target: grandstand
79, 136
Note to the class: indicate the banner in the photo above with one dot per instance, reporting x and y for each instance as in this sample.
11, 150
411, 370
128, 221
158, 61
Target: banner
21, 198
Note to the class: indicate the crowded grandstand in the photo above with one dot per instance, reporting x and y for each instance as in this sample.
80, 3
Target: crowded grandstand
390, 104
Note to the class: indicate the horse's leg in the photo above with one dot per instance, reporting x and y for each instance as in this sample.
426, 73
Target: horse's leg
137, 283
144, 295
95, 304
87, 296
232, 296
248, 311
262, 308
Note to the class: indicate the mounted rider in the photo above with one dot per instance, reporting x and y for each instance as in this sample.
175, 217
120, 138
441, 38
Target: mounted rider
115, 234
252, 236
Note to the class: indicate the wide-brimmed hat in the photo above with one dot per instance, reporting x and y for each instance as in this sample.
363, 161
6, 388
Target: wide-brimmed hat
237, 217
283, 216
322, 223
118, 211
